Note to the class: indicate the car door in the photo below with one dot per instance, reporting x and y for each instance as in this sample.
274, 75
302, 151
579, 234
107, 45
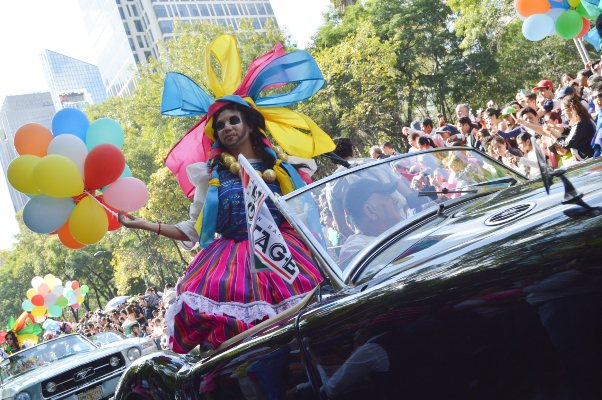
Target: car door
517, 317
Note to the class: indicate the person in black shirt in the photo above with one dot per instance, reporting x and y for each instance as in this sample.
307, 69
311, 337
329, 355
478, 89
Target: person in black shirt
582, 128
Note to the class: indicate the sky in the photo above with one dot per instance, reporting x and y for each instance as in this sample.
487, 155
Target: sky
27, 27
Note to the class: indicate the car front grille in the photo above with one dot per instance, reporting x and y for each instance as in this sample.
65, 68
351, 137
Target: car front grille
82, 375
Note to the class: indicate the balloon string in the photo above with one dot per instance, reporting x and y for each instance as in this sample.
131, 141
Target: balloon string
113, 213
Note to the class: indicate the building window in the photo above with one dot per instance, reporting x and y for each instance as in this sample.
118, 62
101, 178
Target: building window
183, 10
140, 43
260, 8
252, 9
204, 10
256, 23
166, 26
233, 9
126, 28
121, 14
160, 11
135, 10
138, 25
268, 8
219, 10
147, 55
136, 58
132, 46
194, 11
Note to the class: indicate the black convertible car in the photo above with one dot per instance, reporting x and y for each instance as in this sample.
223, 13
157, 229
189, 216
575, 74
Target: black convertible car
447, 276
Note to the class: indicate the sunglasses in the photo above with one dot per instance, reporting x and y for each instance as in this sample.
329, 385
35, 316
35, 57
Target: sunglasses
598, 96
233, 120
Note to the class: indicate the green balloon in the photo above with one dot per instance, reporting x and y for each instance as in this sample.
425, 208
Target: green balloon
61, 302
55, 311
569, 24
587, 10
84, 289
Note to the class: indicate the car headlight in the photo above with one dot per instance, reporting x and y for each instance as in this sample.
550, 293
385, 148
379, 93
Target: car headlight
133, 353
51, 387
23, 396
114, 361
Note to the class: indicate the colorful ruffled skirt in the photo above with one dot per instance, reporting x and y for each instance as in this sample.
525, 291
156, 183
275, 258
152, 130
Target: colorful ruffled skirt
219, 296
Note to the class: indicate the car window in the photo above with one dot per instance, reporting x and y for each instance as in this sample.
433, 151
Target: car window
43, 354
357, 208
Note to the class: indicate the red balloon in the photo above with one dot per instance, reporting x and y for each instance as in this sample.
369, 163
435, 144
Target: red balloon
585, 29
104, 164
37, 300
74, 285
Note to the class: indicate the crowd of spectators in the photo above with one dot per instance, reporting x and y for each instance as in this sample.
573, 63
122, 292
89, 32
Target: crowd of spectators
140, 316
562, 118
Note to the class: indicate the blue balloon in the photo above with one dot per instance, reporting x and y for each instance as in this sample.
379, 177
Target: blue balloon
560, 4
44, 214
593, 37
104, 130
70, 121
537, 27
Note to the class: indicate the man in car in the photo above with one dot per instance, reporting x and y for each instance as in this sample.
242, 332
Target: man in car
373, 207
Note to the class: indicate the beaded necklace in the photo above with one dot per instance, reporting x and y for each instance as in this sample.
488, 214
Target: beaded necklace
268, 175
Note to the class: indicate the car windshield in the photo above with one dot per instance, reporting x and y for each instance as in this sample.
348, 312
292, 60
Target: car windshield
43, 354
353, 208
104, 338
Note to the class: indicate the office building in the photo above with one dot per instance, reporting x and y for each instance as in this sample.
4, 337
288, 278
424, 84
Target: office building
126, 33
15, 112
73, 83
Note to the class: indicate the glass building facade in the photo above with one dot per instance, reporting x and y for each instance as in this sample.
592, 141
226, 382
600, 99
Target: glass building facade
15, 112
136, 27
73, 83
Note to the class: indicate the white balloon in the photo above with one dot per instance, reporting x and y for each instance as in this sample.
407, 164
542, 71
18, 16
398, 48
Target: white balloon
71, 147
37, 281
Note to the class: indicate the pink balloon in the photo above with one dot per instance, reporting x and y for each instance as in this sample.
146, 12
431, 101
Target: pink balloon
75, 306
43, 289
126, 194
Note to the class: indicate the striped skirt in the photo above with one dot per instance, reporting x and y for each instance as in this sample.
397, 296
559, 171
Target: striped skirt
219, 296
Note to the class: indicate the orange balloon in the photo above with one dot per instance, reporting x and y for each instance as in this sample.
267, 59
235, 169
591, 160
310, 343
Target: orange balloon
530, 7
113, 221
32, 139
67, 239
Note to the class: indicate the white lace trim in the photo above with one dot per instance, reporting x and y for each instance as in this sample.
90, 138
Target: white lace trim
246, 312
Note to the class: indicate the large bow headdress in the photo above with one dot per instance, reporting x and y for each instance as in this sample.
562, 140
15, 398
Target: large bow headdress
296, 133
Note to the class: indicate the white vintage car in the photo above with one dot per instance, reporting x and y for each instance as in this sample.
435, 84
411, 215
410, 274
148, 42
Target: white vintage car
69, 367
117, 339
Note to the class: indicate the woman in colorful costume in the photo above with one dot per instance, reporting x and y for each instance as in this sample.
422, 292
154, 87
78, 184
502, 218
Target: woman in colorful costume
219, 296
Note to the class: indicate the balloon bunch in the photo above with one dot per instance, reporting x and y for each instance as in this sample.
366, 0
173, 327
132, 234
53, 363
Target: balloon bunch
76, 177
566, 18
45, 298
24, 327
75, 294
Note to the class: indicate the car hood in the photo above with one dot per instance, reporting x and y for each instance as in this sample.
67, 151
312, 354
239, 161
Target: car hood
38, 375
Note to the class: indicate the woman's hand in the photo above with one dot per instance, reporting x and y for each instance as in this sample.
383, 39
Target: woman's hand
130, 221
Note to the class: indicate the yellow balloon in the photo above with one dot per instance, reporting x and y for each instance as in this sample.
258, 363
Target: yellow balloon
30, 293
58, 176
88, 222
49, 279
20, 174
80, 299
574, 3
38, 311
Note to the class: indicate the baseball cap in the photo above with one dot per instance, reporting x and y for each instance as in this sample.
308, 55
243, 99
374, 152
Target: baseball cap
565, 91
447, 128
359, 192
548, 105
544, 84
